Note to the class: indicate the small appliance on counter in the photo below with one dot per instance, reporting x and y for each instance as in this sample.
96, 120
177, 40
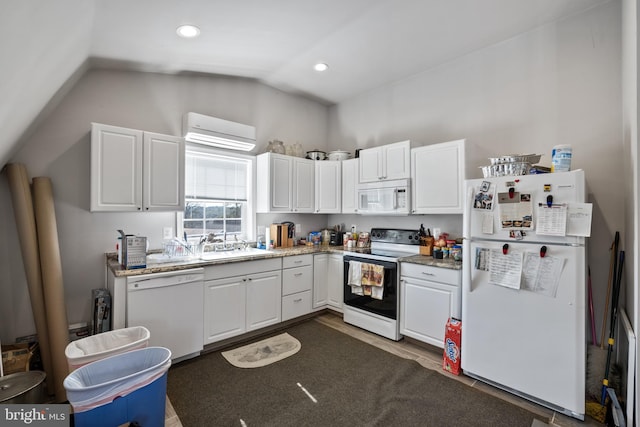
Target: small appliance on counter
337, 238
132, 252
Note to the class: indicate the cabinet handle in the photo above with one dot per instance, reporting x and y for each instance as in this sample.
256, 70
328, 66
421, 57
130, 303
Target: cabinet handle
297, 300
428, 274
297, 262
298, 274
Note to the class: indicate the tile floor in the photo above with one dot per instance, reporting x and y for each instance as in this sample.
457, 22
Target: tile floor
430, 357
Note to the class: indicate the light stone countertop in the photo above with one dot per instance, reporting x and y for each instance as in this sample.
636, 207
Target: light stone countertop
431, 261
119, 271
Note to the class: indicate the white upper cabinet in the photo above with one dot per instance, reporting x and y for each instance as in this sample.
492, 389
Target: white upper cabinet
303, 185
328, 186
437, 178
163, 182
350, 186
387, 162
132, 170
284, 183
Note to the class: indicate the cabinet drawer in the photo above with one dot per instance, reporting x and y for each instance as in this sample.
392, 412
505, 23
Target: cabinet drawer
296, 305
434, 274
297, 261
241, 268
297, 280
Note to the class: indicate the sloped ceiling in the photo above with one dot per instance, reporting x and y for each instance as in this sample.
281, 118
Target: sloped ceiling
44, 45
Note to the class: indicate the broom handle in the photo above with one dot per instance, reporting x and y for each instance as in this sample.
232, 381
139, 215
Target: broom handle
612, 331
606, 304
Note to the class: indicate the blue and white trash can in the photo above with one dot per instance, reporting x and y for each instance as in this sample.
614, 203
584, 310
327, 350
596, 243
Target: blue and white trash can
124, 388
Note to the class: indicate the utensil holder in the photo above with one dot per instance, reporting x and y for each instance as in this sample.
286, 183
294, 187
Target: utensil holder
426, 245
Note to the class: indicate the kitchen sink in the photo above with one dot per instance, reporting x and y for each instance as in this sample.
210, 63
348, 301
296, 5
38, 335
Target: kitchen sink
163, 258
227, 254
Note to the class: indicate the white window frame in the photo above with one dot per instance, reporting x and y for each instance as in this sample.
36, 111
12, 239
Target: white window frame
250, 226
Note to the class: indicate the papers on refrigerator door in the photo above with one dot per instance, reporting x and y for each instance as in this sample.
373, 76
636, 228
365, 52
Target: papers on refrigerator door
579, 219
505, 269
483, 197
552, 220
516, 211
542, 275
487, 222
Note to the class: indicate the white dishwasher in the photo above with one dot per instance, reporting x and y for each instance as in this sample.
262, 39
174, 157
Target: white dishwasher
170, 305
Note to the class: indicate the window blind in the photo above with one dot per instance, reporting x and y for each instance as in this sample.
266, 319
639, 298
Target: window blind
212, 177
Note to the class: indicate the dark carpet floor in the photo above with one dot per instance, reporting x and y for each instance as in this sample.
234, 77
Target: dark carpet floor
354, 383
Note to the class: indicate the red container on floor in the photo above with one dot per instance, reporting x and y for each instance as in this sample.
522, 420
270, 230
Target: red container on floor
452, 337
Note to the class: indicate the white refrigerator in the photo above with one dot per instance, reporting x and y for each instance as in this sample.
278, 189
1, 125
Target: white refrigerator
524, 272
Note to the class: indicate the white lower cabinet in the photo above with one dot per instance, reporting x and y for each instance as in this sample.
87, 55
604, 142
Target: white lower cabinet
320, 271
335, 282
297, 282
328, 281
241, 297
429, 296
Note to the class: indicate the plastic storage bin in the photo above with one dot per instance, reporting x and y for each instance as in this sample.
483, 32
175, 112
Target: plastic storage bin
125, 388
96, 347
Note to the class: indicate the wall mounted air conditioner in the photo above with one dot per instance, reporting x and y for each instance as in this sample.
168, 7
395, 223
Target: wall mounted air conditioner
201, 129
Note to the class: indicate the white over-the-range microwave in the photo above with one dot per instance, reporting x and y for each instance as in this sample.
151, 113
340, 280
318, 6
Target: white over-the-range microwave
384, 197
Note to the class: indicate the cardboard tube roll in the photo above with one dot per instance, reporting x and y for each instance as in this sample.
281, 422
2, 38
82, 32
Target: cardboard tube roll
52, 281
26, 226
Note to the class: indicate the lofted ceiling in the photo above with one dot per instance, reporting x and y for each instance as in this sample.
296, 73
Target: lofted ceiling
366, 43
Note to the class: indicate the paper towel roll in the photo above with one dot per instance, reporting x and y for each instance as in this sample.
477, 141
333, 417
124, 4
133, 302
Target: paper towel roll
267, 236
52, 282
26, 226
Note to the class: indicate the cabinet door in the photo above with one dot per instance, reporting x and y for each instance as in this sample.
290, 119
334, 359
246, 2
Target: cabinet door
370, 164
281, 182
328, 186
320, 269
163, 183
437, 173
264, 299
116, 168
335, 281
224, 308
396, 160
426, 307
303, 185
350, 186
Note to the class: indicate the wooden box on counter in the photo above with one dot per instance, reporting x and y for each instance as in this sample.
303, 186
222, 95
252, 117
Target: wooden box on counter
280, 236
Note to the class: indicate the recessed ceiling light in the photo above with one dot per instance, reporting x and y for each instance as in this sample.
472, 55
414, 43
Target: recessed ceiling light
321, 66
188, 31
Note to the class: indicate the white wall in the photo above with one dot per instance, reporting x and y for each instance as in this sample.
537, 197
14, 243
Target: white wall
559, 84
36, 66
60, 149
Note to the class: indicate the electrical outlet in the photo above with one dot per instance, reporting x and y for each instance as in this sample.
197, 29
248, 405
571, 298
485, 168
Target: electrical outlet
167, 233
353, 228
298, 228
